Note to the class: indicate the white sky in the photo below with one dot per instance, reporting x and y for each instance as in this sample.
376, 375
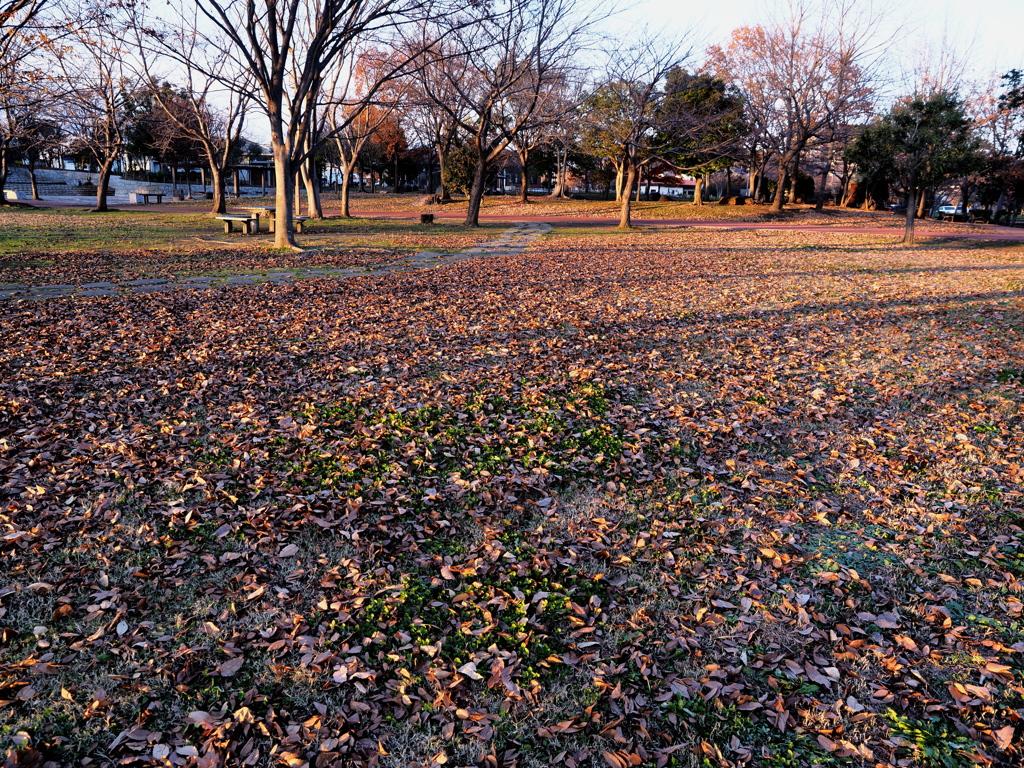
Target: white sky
989, 32
987, 35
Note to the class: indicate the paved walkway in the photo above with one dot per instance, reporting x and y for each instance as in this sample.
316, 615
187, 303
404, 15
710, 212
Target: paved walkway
511, 242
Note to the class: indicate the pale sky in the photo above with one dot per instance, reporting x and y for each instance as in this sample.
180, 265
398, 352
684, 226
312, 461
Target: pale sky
988, 36
991, 31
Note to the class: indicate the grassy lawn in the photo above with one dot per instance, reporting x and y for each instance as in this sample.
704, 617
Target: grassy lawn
62, 246
539, 205
662, 498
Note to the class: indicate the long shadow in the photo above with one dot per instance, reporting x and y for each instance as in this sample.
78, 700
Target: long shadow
824, 308
668, 275
878, 248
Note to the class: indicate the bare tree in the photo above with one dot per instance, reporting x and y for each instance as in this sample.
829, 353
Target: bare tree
38, 136
22, 86
625, 110
525, 143
551, 128
502, 71
804, 75
288, 47
202, 69
98, 91
435, 126
17, 19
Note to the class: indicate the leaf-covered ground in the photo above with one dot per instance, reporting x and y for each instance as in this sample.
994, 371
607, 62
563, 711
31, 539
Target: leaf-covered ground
85, 267
665, 498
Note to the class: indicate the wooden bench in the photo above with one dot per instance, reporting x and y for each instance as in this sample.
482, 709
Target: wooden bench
246, 222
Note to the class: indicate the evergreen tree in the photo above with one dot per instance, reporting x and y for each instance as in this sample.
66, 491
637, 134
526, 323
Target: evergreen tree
921, 142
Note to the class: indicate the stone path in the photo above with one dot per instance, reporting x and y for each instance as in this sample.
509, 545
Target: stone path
512, 242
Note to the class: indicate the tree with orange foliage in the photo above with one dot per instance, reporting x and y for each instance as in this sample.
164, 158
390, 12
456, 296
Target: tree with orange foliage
359, 99
805, 77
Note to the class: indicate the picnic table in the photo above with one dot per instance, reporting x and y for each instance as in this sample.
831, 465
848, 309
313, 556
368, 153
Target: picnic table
142, 198
268, 210
262, 210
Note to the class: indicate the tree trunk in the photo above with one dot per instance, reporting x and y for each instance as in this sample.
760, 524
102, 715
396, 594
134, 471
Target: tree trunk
625, 217
235, 177
920, 205
780, 190
999, 206
395, 188
561, 157
101, 188
556, 186
219, 197
188, 180
317, 193
524, 158
446, 194
823, 187
619, 182
476, 192
346, 179
698, 190
3, 172
284, 237
174, 179
908, 229
309, 178
31, 178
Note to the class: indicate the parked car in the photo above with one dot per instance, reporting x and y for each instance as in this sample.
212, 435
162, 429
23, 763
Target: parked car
948, 210
900, 207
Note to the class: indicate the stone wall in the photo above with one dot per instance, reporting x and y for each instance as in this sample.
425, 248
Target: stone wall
54, 182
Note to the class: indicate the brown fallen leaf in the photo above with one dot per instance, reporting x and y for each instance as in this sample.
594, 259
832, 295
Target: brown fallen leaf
1003, 737
827, 744
231, 667
888, 621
